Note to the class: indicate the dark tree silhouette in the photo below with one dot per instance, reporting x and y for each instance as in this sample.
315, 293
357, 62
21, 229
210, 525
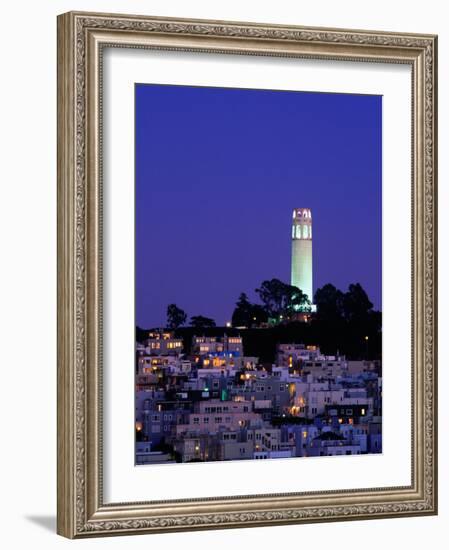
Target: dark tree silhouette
258, 314
176, 316
329, 302
346, 321
247, 314
280, 298
356, 304
198, 321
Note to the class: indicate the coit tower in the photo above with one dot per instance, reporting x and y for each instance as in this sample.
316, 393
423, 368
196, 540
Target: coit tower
302, 272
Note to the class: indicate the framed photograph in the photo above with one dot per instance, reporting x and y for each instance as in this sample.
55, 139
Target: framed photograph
246, 274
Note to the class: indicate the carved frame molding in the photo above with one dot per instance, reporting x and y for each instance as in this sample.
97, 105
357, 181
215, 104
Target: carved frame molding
81, 39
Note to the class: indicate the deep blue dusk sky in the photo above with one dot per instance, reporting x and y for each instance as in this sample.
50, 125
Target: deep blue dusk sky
218, 173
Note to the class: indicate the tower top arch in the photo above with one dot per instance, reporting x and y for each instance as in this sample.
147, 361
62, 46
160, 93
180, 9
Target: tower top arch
302, 214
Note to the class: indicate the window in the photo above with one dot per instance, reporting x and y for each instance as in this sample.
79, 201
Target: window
298, 231
196, 420
218, 420
206, 420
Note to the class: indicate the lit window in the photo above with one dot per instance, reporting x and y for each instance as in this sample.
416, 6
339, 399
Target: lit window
305, 233
298, 231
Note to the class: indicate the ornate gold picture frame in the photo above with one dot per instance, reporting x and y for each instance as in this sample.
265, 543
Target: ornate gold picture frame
82, 39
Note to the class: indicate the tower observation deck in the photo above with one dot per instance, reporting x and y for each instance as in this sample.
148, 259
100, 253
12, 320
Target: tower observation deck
302, 268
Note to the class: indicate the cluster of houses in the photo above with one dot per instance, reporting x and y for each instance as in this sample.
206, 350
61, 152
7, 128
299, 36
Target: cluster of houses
216, 403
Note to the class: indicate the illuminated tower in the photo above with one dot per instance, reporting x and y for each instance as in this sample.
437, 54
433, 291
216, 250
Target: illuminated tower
302, 271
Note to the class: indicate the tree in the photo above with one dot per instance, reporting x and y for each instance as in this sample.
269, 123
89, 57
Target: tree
296, 300
329, 303
280, 298
356, 304
242, 311
247, 314
175, 316
258, 314
198, 321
